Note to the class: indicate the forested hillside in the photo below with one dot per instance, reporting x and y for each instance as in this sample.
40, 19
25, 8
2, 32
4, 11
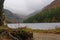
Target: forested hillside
50, 13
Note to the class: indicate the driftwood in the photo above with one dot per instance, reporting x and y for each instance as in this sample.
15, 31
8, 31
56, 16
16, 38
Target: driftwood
9, 36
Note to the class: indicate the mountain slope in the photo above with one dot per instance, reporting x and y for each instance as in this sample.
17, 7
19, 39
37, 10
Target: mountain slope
12, 18
54, 4
51, 13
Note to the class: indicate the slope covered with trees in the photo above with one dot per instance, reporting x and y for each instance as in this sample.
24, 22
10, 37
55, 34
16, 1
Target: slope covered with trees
52, 15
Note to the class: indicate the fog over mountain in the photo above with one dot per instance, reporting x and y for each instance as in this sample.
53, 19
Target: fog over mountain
25, 7
12, 18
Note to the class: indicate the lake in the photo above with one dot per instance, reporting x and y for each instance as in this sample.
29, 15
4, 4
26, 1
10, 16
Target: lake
35, 25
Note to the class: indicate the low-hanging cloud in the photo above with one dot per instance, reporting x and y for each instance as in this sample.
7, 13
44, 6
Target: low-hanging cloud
25, 7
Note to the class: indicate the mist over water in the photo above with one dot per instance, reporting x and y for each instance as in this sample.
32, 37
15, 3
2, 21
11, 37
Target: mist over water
25, 7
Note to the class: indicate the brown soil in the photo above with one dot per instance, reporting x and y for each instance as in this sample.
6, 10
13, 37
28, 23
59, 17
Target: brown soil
46, 36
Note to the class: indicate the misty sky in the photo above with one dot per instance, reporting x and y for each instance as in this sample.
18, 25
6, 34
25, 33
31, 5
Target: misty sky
25, 7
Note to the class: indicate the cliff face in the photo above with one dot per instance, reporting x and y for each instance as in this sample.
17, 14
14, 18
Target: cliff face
1, 12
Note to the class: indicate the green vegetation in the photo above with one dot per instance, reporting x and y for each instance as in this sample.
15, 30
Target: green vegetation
54, 31
52, 15
29, 30
48, 31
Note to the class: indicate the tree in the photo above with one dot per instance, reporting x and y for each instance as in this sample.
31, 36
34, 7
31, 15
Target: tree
1, 12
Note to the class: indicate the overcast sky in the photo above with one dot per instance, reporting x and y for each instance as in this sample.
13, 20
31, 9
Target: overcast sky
25, 7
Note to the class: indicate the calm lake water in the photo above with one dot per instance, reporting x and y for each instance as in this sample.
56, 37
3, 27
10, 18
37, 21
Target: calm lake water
35, 25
